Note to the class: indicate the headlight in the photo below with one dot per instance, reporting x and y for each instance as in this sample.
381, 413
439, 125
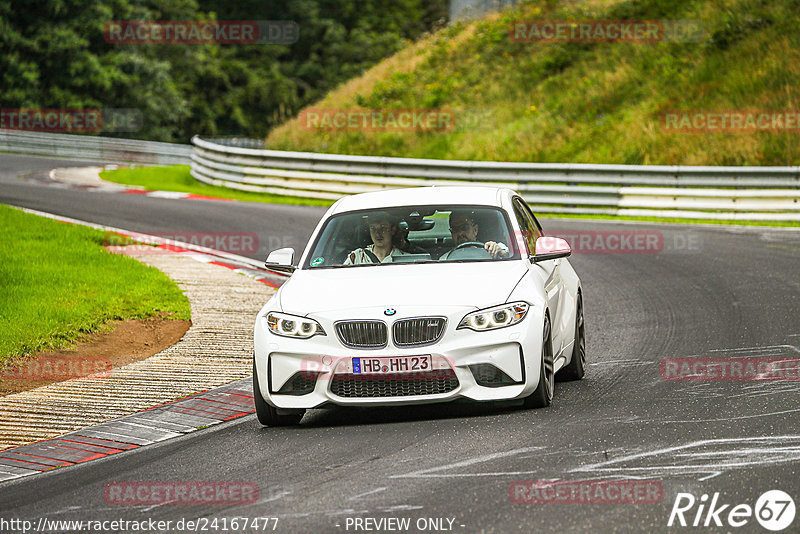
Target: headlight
282, 324
496, 317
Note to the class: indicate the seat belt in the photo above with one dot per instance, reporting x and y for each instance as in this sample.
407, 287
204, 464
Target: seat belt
371, 255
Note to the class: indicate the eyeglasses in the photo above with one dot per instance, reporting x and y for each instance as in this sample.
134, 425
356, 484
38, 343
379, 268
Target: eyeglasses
463, 227
379, 228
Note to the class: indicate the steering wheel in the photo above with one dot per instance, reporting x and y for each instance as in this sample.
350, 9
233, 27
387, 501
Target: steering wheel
471, 250
469, 244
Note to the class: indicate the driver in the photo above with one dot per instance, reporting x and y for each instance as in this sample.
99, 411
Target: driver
464, 229
383, 229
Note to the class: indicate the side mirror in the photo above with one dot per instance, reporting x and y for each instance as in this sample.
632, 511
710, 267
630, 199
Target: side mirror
281, 260
551, 248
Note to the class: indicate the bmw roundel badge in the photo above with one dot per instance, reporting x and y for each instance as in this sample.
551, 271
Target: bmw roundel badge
389, 311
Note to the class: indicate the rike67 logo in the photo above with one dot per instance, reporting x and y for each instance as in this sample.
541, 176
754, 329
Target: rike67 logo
774, 510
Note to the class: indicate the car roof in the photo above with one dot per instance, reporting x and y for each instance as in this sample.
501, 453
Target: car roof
421, 196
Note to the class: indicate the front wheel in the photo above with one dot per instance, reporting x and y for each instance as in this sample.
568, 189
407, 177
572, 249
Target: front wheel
543, 396
268, 415
577, 365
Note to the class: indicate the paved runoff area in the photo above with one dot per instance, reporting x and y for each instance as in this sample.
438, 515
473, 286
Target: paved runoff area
216, 350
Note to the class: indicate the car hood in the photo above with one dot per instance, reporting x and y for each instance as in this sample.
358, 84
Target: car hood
477, 284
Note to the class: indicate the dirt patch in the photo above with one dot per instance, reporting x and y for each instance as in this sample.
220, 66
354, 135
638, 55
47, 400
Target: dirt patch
128, 342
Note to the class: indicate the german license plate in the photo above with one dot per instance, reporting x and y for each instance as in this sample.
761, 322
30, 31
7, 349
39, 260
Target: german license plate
391, 365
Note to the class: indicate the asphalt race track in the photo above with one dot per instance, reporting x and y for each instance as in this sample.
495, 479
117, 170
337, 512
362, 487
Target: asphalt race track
706, 292
276, 226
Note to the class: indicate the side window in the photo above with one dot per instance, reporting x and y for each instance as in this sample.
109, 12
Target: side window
537, 227
529, 231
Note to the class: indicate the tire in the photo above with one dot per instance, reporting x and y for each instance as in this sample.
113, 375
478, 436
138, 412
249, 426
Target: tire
543, 395
268, 415
577, 365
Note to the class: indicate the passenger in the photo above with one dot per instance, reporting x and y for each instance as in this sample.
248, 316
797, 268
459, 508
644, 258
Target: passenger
383, 230
464, 229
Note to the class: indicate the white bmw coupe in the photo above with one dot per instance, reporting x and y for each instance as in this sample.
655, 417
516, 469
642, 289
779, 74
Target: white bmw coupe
415, 296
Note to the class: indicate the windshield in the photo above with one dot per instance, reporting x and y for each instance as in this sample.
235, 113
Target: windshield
414, 234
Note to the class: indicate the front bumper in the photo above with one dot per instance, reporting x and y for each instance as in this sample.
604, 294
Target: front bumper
326, 364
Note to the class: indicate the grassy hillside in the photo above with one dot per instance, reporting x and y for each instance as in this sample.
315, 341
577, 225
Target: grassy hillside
582, 102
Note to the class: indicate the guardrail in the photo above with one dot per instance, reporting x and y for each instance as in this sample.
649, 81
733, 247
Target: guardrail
737, 193
89, 147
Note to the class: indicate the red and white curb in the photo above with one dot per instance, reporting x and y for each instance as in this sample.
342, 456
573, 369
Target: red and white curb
172, 195
95, 184
159, 423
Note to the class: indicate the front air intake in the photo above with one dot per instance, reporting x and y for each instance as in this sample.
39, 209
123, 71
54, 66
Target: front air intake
489, 376
396, 385
300, 383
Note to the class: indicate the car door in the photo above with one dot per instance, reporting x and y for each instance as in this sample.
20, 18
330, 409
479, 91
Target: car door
548, 271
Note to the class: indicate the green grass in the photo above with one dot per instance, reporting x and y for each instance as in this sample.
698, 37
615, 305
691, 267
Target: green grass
57, 283
177, 178
581, 102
